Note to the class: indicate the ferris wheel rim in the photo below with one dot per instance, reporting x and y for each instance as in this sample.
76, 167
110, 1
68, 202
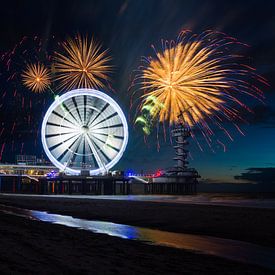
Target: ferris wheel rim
82, 92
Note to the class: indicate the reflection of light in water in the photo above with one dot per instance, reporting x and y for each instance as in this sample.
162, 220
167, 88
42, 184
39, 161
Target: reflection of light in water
112, 229
229, 249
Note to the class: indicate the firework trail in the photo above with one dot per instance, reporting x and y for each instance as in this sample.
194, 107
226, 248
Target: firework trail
201, 78
81, 64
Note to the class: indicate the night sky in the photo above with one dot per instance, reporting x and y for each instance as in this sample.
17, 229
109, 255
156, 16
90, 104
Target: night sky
127, 29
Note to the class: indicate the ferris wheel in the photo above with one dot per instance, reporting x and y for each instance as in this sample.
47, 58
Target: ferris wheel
84, 129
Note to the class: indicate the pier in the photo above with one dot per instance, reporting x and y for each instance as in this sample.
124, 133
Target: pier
96, 185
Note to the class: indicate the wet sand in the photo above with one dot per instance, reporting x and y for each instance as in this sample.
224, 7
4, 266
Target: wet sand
35, 247
254, 225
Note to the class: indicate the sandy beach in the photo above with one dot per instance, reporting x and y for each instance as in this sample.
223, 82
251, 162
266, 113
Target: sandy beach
34, 247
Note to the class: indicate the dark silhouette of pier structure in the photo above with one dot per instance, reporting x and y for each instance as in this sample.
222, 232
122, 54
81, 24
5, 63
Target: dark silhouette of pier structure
97, 185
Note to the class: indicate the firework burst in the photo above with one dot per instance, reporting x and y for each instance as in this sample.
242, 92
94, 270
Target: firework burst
24, 124
36, 77
82, 65
200, 78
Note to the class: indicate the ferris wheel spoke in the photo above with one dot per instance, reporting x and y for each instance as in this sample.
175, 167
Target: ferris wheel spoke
113, 136
110, 126
112, 147
102, 151
77, 148
99, 113
62, 142
58, 134
77, 110
69, 112
89, 116
83, 151
98, 159
62, 117
105, 143
91, 113
85, 107
58, 125
59, 158
93, 157
105, 119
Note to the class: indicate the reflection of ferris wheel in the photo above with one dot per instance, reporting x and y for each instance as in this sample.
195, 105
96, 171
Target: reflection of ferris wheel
84, 129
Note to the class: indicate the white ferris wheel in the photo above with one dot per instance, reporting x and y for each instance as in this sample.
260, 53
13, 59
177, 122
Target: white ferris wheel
84, 129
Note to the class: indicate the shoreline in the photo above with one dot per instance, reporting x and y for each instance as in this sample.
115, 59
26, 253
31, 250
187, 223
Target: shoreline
265, 201
33, 247
254, 225
29, 246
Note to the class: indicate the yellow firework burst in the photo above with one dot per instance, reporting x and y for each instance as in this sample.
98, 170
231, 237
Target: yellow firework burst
82, 64
36, 77
196, 77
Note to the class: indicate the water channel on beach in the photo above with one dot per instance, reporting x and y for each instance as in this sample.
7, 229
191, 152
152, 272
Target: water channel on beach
229, 249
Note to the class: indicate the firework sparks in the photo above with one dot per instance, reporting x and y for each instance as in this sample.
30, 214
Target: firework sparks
83, 64
198, 77
22, 124
36, 77
149, 109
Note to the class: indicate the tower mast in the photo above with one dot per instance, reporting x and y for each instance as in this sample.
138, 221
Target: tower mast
180, 133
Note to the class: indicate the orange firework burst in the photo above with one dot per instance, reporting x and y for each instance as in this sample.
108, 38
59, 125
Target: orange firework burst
82, 65
184, 77
198, 77
36, 77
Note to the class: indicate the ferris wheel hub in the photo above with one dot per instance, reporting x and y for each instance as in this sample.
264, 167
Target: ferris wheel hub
85, 129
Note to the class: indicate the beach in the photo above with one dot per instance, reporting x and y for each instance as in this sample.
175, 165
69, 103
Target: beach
31, 246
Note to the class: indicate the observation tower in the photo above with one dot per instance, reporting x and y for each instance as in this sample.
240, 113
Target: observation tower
179, 179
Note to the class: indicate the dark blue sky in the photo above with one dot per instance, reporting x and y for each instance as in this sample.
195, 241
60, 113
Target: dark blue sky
128, 28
